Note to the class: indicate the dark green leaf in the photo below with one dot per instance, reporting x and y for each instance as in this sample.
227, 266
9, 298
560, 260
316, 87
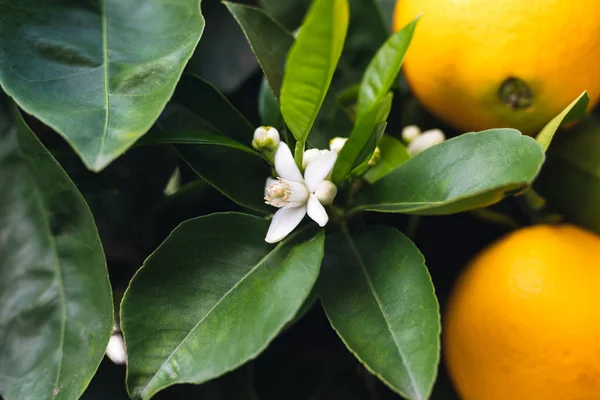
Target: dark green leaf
379, 298
227, 66
393, 155
98, 72
56, 311
207, 102
469, 171
311, 63
363, 138
211, 297
192, 137
287, 12
574, 111
239, 175
384, 67
269, 40
570, 178
268, 107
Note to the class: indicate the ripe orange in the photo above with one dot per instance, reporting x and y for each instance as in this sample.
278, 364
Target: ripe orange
523, 322
541, 54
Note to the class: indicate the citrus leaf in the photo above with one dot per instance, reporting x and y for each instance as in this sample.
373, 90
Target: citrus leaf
269, 41
393, 155
311, 63
470, 171
212, 297
98, 72
237, 173
364, 131
574, 111
56, 311
206, 101
379, 298
570, 178
383, 68
192, 137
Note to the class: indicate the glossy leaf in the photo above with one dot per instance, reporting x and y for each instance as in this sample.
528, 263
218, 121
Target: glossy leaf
363, 134
570, 178
238, 174
311, 63
211, 297
574, 111
206, 101
56, 311
268, 107
98, 72
383, 68
393, 155
192, 137
379, 298
469, 171
269, 41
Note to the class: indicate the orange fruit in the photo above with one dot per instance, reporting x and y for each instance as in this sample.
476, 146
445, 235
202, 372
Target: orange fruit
480, 64
523, 322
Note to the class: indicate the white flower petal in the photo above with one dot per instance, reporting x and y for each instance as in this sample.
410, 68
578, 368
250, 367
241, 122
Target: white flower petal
326, 192
319, 169
310, 156
284, 221
410, 133
285, 165
316, 210
337, 143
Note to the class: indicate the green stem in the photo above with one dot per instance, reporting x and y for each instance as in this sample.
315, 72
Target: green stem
299, 153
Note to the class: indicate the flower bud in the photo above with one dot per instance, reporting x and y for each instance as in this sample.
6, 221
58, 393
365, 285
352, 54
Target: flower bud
326, 192
337, 143
266, 138
375, 158
311, 155
115, 350
425, 140
410, 133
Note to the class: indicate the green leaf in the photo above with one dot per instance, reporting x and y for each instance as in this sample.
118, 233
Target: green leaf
269, 41
363, 137
570, 178
470, 171
574, 111
192, 137
287, 12
212, 297
379, 298
238, 175
206, 101
393, 155
384, 67
311, 63
56, 311
268, 107
98, 72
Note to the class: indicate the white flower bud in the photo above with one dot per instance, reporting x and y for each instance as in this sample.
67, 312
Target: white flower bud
266, 138
326, 192
311, 155
410, 133
337, 143
116, 349
425, 140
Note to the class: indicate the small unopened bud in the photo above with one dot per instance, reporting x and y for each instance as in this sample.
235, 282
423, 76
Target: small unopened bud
266, 138
116, 349
311, 155
425, 140
326, 192
337, 143
375, 158
410, 133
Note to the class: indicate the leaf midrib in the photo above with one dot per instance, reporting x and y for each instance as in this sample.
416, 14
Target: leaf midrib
379, 304
250, 272
105, 66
